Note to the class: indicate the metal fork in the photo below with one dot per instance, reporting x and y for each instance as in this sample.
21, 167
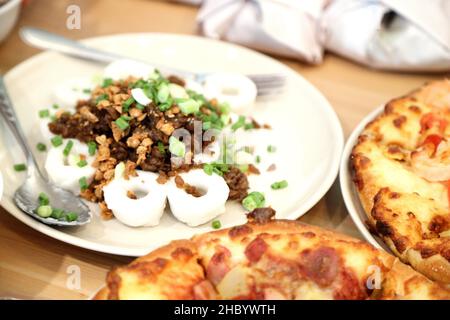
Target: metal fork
267, 84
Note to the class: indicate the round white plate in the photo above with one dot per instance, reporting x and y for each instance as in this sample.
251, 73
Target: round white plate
307, 132
348, 188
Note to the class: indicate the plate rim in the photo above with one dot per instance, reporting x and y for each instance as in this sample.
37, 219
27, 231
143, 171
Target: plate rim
347, 186
326, 183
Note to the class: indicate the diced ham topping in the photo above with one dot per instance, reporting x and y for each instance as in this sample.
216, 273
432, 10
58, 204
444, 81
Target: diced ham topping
255, 250
204, 291
320, 265
218, 266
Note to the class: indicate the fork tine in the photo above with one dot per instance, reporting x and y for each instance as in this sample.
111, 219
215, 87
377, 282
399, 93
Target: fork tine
268, 92
274, 84
266, 76
268, 81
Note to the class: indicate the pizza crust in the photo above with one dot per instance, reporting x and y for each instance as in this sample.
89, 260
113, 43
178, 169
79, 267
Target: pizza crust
403, 208
276, 259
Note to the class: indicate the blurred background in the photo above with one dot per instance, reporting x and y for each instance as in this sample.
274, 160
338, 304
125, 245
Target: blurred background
334, 44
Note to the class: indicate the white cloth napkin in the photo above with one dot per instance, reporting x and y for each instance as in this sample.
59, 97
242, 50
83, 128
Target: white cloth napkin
411, 35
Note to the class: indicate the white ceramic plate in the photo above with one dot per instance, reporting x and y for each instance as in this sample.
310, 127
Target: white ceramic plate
348, 188
308, 134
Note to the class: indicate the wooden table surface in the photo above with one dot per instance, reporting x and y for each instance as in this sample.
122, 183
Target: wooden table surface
35, 266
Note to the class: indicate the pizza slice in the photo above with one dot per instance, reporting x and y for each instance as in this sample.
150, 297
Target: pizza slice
401, 167
269, 259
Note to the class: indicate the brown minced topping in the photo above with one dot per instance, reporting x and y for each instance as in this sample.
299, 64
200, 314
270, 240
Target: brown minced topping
143, 145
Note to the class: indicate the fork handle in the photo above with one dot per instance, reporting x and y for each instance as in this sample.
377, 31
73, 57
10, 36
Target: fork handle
9, 115
50, 41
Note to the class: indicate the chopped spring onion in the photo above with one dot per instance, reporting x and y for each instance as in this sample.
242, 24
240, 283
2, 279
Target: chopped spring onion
57, 213
107, 82
177, 147
92, 148
161, 148
126, 105
82, 163
20, 167
140, 96
44, 211
44, 113
67, 148
122, 123
87, 91
101, 98
43, 199
188, 106
208, 168
71, 216
163, 93
243, 168
216, 224
206, 125
217, 168
56, 141
271, 149
238, 124
279, 185
55, 106
258, 159
165, 106
249, 126
41, 147
140, 106
253, 200
83, 183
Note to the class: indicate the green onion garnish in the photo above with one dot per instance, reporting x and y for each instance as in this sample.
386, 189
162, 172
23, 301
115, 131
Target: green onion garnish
44, 211
177, 147
254, 200
127, 103
68, 147
140, 106
249, 126
161, 147
92, 148
101, 98
238, 124
208, 168
217, 168
41, 147
43, 199
206, 125
279, 185
57, 213
82, 163
20, 167
83, 183
122, 123
188, 106
87, 91
216, 224
56, 141
55, 106
71, 216
107, 82
271, 149
163, 93
44, 113
258, 159
243, 168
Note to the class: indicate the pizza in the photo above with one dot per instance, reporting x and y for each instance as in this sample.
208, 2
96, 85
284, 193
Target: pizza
269, 259
401, 166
